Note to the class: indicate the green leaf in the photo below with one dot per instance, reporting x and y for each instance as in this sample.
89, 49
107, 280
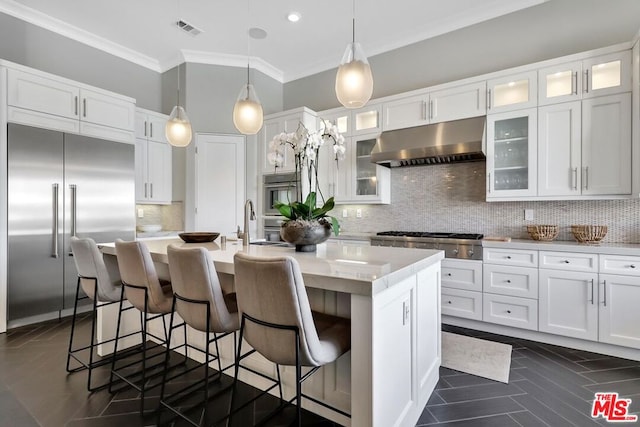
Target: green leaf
335, 225
285, 210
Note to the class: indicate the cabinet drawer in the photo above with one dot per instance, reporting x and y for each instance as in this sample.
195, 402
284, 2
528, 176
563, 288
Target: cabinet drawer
570, 261
459, 303
462, 274
510, 311
506, 280
515, 257
620, 264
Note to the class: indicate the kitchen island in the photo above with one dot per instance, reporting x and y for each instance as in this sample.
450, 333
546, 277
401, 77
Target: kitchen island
392, 296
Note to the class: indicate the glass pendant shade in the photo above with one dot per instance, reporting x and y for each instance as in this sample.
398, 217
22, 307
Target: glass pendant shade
178, 128
354, 82
247, 113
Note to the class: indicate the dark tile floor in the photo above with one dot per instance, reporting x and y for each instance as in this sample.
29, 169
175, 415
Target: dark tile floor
549, 386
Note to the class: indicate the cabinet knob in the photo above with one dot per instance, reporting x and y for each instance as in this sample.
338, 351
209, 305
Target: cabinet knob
566, 261
632, 266
508, 280
508, 256
509, 311
448, 302
449, 274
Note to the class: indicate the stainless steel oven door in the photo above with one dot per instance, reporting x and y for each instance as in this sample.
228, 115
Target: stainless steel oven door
272, 230
278, 188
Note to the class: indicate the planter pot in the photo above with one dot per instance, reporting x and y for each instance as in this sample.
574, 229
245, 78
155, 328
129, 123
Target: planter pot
305, 234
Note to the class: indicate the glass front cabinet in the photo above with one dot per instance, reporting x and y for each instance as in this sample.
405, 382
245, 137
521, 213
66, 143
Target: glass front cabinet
511, 154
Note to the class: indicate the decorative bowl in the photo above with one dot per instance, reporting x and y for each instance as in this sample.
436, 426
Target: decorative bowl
589, 233
150, 228
542, 232
199, 237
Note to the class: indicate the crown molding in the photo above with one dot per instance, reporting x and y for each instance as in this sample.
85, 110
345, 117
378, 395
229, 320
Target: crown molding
47, 22
231, 60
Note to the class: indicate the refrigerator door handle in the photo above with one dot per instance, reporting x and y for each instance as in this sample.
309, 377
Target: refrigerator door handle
73, 189
54, 237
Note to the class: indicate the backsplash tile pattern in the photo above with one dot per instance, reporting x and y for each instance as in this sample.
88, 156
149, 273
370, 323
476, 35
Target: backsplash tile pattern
451, 197
171, 217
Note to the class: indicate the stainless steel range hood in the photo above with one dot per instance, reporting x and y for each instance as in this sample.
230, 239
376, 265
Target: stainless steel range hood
447, 142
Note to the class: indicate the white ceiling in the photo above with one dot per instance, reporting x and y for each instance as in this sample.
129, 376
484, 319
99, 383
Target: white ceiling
143, 31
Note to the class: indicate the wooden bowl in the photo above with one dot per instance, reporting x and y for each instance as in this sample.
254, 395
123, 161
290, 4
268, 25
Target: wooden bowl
543, 232
198, 237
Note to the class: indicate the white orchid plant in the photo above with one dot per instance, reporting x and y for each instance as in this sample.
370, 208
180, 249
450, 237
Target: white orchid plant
306, 146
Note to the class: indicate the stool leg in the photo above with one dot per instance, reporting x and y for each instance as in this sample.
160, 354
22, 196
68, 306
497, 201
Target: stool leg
94, 315
73, 325
115, 343
298, 382
166, 359
144, 352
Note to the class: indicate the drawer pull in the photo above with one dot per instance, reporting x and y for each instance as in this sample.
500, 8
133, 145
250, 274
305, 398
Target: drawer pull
632, 266
509, 311
508, 280
508, 256
448, 302
449, 274
566, 261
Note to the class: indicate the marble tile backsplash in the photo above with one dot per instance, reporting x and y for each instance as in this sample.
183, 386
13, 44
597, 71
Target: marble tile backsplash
452, 198
171, 217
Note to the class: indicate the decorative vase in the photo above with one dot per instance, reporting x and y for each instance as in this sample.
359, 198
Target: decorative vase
305, 234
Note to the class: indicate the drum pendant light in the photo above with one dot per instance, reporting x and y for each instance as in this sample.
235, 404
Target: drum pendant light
354, 82
247, 112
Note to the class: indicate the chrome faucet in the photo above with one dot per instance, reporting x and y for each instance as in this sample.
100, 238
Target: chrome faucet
252, 216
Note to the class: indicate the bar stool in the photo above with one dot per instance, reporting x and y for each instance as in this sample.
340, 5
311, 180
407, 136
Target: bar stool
277, 321
200, 302
97, 285
153, 298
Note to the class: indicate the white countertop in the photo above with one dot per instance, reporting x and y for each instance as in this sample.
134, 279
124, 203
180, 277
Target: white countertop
357, 269
567, 246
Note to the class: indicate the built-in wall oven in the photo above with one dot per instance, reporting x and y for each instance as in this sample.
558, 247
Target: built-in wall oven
272, 229
279, 187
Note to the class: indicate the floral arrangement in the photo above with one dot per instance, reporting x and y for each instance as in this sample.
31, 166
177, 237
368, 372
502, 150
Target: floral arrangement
306, 146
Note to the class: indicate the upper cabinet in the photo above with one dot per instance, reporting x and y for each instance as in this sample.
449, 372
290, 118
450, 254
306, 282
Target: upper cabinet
513, 92
366, 120
511, 154
274, 124
455, 103
153, 158
602, 75
42, 100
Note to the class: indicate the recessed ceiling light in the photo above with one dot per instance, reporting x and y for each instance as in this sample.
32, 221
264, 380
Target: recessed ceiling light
257, 33
294, 16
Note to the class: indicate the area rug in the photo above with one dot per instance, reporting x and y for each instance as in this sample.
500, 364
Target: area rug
474, 356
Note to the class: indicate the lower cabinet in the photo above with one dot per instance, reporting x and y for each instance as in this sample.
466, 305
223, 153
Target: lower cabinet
459, 303
510, 311
619, 315
568, 303
461, 294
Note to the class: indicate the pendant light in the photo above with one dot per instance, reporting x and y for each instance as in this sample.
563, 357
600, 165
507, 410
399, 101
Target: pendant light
354, 82
247, 112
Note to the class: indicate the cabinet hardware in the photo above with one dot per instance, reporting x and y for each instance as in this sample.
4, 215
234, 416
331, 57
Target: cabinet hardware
489, 186
54, 231
145, 190
574, 178
591, 291
585, 177
604, 301
508, 256
151, 190
488, 99
585, 84
566, 261
424, 110
449, 274
508, 311
632, 266
574, 83
508, 281
151, 130
431, 109
145, 128
76, 105
84, 107
74, 208
448, 302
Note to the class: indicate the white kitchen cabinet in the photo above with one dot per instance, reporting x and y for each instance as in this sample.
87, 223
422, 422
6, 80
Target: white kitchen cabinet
511, 257
606, 145
366, 120
512, 154
462, 274
559, 149
512, 92
598, 76
43, 100
454, 103
584, 147
359, 181
406, 112
153, 159
274, 124
510, 311
568, 303
619, 318
461, 303
508, 280
151, 125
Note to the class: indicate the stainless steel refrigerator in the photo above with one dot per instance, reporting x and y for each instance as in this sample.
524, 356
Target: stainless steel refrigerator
60, 185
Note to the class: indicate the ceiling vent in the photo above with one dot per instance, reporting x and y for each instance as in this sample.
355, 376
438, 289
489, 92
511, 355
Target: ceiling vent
188, 28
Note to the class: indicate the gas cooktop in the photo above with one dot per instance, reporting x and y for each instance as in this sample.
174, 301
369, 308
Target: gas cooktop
433, 235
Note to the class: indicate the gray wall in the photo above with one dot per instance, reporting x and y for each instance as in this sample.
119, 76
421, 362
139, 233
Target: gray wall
29, 45
552, 29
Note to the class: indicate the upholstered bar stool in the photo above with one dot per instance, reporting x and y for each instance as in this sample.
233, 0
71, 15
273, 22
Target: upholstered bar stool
153, 298
200, 302
97, 285
277, 321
